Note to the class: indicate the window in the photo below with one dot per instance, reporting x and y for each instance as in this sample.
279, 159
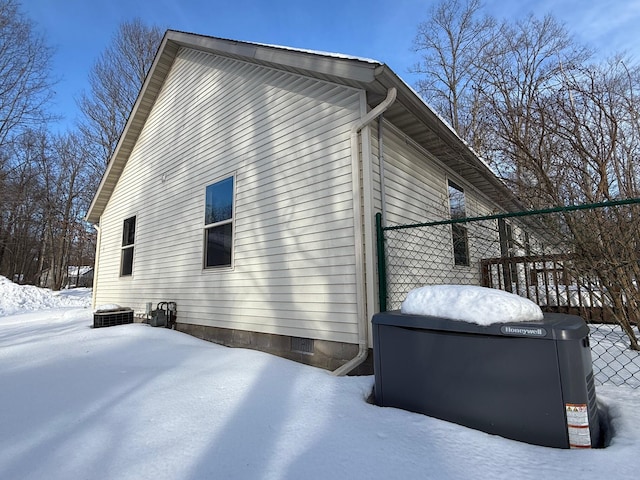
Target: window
128, 239
458, 231
460, 245
456, 201
218, 224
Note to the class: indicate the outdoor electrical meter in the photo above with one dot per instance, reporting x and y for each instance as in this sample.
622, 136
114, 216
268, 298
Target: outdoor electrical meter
527, 381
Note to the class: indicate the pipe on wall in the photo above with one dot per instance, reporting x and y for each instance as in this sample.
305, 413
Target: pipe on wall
96, 263
381, 163
357, 188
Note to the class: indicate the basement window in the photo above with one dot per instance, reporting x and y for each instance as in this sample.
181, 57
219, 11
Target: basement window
218, 224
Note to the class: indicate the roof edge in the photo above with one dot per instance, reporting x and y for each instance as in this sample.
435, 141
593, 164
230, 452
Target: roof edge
367, 73
148, 93
413, 101
331, 64
345, 66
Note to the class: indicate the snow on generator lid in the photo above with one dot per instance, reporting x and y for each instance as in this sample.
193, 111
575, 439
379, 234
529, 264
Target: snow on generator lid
480, 305
462, 308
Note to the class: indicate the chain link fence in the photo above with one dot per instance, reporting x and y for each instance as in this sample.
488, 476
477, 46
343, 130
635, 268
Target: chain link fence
582, 260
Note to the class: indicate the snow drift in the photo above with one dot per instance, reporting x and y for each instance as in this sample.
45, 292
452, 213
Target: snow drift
24, 298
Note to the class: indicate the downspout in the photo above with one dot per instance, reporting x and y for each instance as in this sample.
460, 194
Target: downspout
360, 279
96, 262
383, 196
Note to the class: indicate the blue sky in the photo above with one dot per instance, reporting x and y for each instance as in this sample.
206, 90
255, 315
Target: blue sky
79, 30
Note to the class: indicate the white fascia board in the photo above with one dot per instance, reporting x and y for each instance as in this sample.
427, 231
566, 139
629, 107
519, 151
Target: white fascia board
345, 66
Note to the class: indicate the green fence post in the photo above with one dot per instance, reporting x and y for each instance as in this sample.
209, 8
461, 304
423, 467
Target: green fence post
382, 264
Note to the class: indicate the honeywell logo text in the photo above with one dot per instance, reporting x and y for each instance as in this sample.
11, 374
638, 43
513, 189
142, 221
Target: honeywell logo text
525, 331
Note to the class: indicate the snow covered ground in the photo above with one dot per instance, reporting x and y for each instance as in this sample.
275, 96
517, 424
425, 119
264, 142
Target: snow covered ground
136, 402
24, 298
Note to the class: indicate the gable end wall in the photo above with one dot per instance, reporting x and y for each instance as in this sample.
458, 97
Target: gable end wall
286, 140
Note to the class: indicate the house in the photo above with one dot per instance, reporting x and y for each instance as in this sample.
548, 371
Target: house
76, 276
79, 276
245, 185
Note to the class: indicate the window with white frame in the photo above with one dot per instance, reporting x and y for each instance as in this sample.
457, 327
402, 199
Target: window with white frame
458, 231
218, 224
128, 240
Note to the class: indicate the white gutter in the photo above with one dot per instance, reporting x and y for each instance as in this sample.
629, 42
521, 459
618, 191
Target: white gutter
363, 322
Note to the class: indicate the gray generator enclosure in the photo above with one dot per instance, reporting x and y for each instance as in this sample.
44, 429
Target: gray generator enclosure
527, 381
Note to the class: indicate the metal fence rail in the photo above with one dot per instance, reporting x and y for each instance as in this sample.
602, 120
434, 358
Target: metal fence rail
544, 255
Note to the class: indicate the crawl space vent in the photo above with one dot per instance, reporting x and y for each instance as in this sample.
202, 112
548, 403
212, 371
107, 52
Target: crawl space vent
302, 345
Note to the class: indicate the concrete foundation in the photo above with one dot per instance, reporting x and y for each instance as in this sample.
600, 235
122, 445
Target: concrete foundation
318, 353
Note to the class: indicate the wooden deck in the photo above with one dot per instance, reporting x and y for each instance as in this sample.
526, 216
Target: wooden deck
549, 282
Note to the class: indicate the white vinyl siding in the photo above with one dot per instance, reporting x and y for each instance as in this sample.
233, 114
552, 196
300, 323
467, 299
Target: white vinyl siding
417, 192
286, 137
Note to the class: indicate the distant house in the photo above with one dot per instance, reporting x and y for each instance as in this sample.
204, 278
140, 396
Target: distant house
76, 276
79, 277
244, 188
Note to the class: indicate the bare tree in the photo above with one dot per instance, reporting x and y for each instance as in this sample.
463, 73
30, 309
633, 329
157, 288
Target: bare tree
566, 132
44, 184
595, 116
115, 81
559, 129
591, 122
25, 89
526, 70
21, 216
25, 81
450, 42
49, 189
66, 183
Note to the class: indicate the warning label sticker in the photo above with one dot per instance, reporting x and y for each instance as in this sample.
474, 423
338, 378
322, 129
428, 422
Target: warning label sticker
578, 425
